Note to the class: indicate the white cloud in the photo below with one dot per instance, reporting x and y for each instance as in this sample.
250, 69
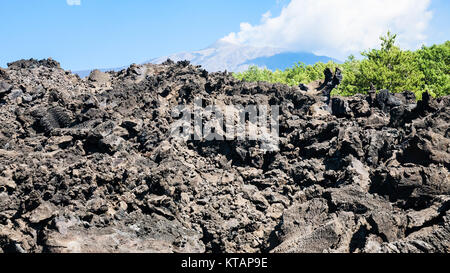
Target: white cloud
73, 2
338, 28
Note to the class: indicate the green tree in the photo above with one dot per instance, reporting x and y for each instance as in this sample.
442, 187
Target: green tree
389, 68
427, 69
434, 62
350, 71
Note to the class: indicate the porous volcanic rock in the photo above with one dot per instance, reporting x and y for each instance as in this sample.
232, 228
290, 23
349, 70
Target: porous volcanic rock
89, 165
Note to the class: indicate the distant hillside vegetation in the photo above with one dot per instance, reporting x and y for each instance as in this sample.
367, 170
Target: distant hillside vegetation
390, 67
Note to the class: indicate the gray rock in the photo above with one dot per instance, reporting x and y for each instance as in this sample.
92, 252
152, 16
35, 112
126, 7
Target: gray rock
90, 165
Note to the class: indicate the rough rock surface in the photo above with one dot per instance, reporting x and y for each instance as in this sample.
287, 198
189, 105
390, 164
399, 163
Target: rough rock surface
88, 165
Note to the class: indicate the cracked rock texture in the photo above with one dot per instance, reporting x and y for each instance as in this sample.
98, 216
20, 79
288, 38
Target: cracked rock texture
88, 165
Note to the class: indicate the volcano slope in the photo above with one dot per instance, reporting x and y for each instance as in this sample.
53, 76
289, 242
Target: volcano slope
89, 165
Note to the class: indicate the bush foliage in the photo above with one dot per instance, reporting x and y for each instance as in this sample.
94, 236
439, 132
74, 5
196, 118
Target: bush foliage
390, 67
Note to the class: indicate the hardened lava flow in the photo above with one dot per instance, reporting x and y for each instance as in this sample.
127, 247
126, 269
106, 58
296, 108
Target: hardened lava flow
89, 165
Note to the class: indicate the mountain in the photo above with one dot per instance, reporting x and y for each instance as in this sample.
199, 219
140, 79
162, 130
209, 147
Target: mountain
288, 59
223, 56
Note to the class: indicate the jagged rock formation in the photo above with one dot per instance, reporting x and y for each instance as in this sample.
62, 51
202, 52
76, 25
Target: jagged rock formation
88, 165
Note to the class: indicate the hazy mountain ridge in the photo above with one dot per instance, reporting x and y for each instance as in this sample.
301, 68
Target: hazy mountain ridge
288, 59
222, 56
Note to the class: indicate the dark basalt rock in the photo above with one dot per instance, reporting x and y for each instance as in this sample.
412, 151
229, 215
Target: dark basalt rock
52, 118
332, 80
32, 63
385, 100
89, 165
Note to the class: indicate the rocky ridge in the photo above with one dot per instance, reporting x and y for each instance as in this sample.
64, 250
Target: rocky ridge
88, 165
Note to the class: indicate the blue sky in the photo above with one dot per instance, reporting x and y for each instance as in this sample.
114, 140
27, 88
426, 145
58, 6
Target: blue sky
440, 24
113, 33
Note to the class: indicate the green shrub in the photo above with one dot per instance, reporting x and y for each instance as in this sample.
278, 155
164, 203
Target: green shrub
434, 62
427, 69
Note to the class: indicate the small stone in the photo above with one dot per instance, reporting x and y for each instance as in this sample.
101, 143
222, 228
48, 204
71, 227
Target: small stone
184, 198
275, 211
98, 76
16, 93
6, 180
44, 212
258, 199
27, 98
97, 206
4, 87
